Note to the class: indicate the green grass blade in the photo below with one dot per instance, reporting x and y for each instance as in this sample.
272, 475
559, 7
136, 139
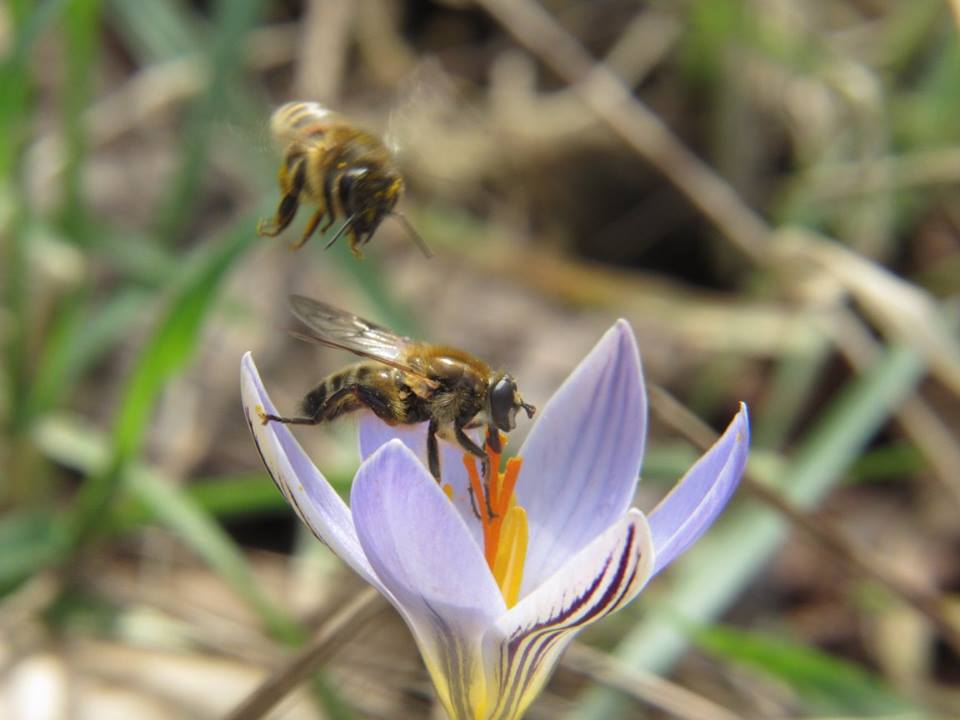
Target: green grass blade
154, 29
826, 684
222, 498
234, 19
166, 352
71, 443
80, 337
81, 28
30, 539
205, 537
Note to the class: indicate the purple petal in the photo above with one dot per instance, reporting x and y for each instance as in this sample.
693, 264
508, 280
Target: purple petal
374, 433
582, 459
694, 503
420, 548
304, 487
527, 641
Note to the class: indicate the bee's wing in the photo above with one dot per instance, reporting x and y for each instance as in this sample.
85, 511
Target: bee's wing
343, 330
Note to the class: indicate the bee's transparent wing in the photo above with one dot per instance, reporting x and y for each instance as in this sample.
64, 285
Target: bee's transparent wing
340, 329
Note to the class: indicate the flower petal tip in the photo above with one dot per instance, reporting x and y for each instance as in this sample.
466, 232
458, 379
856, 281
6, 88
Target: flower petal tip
392, 462
394, 449
743, 424
626, 339
699, 497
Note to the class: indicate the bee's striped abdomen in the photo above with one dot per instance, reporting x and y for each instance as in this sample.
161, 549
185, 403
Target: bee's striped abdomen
299, 121
332, 397
360, 386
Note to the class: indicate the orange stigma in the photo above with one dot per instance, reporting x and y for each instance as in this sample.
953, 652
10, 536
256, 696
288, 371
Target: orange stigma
505, 528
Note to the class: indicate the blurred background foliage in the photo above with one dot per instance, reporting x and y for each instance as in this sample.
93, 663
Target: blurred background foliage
766, 189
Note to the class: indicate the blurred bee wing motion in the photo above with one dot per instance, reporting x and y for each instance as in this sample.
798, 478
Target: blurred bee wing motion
340, 329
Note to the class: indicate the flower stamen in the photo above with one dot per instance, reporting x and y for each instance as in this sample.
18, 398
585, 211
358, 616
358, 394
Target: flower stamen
504, 524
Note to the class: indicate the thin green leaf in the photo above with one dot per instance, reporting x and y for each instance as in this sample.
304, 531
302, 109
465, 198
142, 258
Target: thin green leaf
825, 683
167, 351
81, 21
233, 20
73, 444
30, 539
205, 537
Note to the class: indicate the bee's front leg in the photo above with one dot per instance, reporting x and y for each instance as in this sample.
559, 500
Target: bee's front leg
292, 178
308, 231
493, 439
433, 450
356, 241
285, 212
471, 447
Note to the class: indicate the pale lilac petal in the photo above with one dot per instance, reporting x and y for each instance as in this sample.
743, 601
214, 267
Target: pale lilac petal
694, 502
419, 545
526, 642
581, 460
304, 487
374, 433
423, 553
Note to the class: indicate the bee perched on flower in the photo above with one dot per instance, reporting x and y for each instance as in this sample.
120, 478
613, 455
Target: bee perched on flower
492, 601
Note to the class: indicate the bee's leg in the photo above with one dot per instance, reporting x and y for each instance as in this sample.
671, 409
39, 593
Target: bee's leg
471, 447
267, 417
285, 212
493, 439
473, 502
355, 243
433, 450
292, 179
308, 231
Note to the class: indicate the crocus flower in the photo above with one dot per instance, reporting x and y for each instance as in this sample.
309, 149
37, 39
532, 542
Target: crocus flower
493, 600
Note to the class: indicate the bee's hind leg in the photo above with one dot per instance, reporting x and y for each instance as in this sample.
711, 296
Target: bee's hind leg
267, 417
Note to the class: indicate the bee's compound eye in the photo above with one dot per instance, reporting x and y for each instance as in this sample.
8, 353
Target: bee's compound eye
503, 406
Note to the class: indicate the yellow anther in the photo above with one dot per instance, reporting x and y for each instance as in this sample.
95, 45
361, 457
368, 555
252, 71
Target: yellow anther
511, 554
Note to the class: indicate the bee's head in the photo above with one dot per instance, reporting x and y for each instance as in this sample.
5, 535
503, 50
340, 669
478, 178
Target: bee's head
505, 401
367, 196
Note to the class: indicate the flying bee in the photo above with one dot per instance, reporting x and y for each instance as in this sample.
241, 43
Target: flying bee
344, 171
404, 382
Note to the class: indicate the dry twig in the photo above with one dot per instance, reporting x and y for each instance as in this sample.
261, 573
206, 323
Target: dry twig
607, 96
331, 637
643, 686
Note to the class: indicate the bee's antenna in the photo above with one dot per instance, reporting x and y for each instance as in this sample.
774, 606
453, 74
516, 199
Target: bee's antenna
412, 232
339, 232
530, 409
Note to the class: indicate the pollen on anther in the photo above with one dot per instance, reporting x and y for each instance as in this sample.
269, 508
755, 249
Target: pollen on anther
448, 491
